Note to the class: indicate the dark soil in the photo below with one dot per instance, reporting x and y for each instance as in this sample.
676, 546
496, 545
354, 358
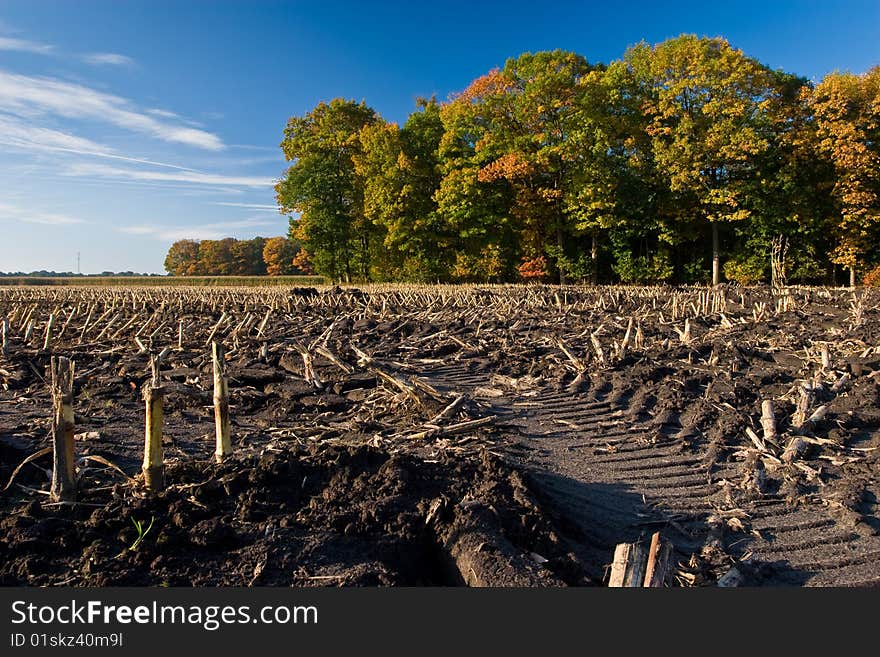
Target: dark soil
348, 476
327, 516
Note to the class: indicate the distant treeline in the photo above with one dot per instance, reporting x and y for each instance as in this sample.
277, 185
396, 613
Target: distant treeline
164, 281
69, 274
687, 161
275, 256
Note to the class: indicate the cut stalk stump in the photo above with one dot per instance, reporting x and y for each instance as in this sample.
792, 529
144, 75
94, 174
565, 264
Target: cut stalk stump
221, 405
63, 472
154, 458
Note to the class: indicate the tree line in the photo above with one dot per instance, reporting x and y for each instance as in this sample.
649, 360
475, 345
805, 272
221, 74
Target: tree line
275, 256
44, 273
686, 161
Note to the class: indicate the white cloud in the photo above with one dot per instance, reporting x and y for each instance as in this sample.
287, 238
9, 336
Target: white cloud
29, 97
13, 213
95, 58
192, 177
21, 45
135, 160
214, 231
165, 114
108, 59
16, 133
20, 135
253, 206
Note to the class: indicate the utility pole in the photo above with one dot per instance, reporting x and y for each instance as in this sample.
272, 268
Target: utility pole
77, 263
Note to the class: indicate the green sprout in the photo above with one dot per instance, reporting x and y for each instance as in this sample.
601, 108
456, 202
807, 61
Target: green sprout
142, 533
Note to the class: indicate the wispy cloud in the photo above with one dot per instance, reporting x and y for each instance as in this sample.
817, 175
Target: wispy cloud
193, 177
28, 97
108, 59
261, 207
212, 231
23, 136
20, 134
37, 48
165, 114
13, 213
22, 45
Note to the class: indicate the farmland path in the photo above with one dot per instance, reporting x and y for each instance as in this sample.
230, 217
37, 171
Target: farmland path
614, 473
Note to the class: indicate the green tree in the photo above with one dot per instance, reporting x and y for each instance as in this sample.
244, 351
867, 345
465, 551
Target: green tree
323, 187
378, 166
401, 173
478, 213
615, 190
789, 196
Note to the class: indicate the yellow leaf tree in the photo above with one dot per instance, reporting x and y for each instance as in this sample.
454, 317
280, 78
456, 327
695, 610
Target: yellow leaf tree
278, 254
846, 108
707, 120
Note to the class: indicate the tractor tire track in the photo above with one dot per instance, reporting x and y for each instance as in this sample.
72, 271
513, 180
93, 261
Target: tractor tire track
611, 477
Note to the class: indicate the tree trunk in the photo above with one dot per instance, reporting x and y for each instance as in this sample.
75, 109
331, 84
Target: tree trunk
365, 257
560, 243
716, 256
852, 276
594, 260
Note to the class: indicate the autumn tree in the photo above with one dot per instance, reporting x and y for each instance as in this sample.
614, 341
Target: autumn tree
846, 108
323, 187
278, 256
302, 263
247, 257
476, 212
539, 159
521, 120
224, 257
215, 257
183, 258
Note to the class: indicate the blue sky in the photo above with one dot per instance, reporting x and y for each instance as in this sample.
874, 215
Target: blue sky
128, 124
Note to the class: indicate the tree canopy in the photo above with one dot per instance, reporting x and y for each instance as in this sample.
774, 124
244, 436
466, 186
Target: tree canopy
684, 161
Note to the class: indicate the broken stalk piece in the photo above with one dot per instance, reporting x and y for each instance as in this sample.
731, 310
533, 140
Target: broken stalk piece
5, 337
640, 565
